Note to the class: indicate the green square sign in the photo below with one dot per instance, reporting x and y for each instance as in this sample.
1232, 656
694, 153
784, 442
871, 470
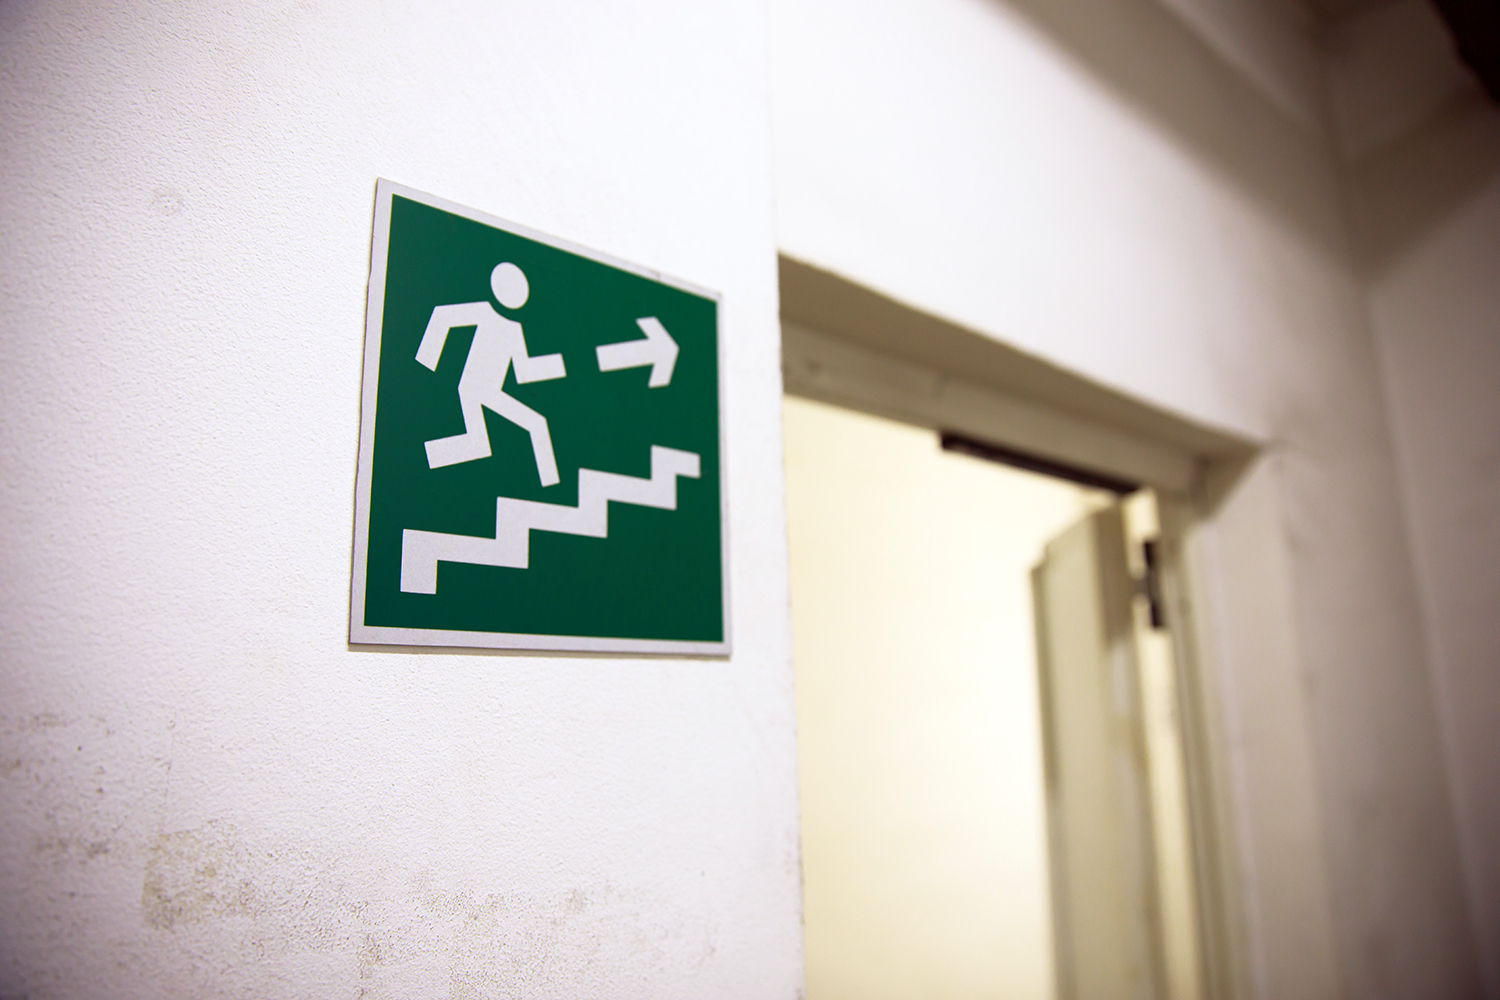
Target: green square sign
540, 444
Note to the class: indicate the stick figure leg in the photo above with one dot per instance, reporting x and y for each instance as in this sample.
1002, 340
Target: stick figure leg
473, 443
534, 424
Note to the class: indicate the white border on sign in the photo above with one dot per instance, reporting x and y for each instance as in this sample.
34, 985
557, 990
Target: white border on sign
362, 634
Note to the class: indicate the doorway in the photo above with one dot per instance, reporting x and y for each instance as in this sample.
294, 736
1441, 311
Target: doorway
948, 839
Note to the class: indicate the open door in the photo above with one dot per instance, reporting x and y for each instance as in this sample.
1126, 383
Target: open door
1121, 875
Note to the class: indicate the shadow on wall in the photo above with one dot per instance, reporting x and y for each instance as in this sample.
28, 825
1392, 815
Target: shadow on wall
1397, 192
1155, 62
1407, 189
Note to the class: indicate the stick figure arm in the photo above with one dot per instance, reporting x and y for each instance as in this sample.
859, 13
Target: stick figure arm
445, 318
541, 368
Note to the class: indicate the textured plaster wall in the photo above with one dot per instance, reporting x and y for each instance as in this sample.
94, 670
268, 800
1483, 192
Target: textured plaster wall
206, 792
1097, 183
965, 156
1272, 44
1438, 320
1423, 145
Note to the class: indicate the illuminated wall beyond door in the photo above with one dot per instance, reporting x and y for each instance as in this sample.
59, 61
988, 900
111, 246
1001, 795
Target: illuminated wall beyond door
923, 811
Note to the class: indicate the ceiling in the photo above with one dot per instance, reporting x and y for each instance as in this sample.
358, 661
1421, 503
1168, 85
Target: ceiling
1474, 24
1476, 28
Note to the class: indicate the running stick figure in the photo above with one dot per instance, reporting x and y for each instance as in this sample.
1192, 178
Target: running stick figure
498, 344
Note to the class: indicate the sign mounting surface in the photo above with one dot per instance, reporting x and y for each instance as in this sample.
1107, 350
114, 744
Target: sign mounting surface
540, 444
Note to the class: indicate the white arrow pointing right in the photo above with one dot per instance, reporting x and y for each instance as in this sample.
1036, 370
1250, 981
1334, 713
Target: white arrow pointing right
658, 350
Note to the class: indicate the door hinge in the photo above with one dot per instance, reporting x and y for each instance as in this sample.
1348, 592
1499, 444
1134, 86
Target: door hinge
1149, 585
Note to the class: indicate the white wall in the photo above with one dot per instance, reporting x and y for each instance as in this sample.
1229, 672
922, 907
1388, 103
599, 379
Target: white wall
1438, 322
206, 792
1094, 183
1272, 43
955, 157
1423, 145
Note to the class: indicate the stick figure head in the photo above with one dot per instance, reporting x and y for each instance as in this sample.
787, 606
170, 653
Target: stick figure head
508, 283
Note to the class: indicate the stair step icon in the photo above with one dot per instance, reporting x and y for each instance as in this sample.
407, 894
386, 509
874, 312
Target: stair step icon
421, 551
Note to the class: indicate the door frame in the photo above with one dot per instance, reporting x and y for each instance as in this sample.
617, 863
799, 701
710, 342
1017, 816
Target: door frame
1262, 895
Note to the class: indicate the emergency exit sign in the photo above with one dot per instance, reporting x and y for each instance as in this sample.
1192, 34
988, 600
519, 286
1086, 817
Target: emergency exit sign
540, 444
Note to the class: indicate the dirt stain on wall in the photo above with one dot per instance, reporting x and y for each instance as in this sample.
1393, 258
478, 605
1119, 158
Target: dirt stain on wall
192, 875
208, 890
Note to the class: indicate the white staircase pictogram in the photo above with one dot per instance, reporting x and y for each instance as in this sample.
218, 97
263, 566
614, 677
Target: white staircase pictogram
421, 551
